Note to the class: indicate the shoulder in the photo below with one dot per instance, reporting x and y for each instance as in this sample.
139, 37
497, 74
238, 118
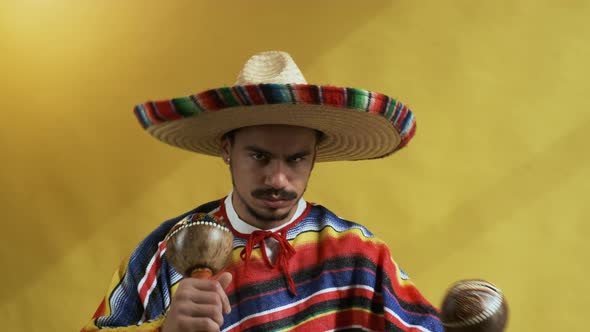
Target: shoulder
326, 224
348, 232
333, 228
320, 217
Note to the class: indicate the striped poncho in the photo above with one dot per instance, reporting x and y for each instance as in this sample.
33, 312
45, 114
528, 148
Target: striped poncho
338, 277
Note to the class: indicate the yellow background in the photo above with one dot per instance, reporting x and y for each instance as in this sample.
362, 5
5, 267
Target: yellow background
494, 185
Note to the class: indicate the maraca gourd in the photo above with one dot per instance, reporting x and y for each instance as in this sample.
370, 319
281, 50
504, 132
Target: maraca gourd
474, 306
199, 246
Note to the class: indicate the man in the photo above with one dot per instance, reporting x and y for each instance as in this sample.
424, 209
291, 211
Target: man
296, 265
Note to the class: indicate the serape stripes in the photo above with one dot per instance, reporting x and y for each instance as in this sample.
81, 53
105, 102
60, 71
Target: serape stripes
344, 276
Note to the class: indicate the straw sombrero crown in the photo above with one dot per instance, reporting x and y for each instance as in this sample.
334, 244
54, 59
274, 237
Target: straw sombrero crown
357, 124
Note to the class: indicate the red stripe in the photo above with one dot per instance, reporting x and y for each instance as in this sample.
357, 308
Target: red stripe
306, 94
333, 96
348, 243
255, 95
209, 100
401, 117
166, 110
151, 276
397, 322
330, 247
333, 295
101, 309
306, 256
236, 92
151, 113
278, 290
345, 318
378, 103
407, 137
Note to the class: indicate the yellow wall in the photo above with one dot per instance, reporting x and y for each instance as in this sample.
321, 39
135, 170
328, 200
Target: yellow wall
495, 184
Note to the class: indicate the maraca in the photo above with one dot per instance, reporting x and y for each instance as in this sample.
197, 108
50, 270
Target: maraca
474, 306
199, 246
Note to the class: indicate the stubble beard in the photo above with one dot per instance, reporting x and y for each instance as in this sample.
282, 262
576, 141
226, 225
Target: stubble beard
271, 217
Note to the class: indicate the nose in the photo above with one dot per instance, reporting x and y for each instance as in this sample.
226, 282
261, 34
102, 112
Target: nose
276, 175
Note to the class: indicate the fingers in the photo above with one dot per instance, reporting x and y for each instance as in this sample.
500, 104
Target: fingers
193, 324
199, 304
224, 280
210, 312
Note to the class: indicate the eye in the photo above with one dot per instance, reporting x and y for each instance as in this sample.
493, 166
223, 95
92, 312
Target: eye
296, 159
258, 156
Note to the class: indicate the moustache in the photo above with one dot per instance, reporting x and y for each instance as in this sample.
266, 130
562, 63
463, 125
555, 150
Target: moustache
274, 194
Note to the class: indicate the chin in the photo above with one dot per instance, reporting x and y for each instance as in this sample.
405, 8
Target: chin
273, 215
276, 214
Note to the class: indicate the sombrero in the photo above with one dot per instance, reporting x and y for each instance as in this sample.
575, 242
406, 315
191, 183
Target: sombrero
270, 89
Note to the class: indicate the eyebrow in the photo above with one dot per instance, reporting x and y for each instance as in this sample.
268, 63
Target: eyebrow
257, 149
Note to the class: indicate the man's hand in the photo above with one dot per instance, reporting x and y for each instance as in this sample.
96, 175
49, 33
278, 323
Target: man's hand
198, 305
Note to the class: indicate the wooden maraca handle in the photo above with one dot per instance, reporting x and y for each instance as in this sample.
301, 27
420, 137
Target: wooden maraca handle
201, 273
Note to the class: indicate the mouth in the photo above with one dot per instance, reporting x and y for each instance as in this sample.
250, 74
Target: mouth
275, 203
274, 199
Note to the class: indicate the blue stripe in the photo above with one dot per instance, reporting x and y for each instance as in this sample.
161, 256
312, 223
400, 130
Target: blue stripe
319, 218
244, 98
361, 277
276, 93
141, 116
398, 108
407, 124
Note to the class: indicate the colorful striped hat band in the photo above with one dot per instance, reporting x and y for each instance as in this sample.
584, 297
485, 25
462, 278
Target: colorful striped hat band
357, 124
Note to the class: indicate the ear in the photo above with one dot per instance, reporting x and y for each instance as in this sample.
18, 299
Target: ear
225, 149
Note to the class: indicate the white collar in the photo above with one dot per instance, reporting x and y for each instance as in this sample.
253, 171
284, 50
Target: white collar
245, 228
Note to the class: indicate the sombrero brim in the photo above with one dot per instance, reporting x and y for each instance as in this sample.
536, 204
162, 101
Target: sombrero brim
358, 124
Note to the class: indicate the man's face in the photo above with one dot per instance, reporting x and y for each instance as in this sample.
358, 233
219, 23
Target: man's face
270, 166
